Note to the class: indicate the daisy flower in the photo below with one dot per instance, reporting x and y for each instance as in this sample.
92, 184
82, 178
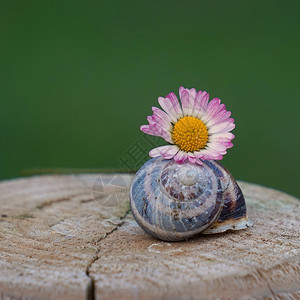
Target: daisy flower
196, 130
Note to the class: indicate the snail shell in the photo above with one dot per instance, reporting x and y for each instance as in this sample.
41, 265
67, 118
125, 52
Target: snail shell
173, 202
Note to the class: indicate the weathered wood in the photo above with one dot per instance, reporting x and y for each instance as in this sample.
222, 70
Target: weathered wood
58, 242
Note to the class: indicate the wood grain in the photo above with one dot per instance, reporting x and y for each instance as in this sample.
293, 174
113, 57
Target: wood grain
58, 242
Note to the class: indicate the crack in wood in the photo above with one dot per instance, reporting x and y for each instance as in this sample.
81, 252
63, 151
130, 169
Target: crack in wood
91, 289
67, 198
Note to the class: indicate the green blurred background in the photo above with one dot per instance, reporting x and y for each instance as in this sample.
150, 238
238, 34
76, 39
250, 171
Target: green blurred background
78, 78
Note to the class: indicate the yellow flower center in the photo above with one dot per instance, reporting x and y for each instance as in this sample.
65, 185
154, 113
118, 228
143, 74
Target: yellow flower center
190, 134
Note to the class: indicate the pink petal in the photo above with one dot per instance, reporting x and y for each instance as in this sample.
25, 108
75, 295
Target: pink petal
181, 89
203, 154
220, 117
216, 146
213, 104
207, 154
162, 119
197, 102
185, 101
225, 135
169, 151
155, 152
225, 144
161, 132
170, 106
222, 107
216, 154
201, 102
222, 127
159, 129
146, 129
199, 161
162, 123
161, 114
180, 157
166, 152
191, 102
176, 104
221, 140
150, 120
220, 157
212, 109
193, 93
204, 101
154, 129
191, 157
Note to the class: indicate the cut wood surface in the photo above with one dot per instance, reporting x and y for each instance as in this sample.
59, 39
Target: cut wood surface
73, 237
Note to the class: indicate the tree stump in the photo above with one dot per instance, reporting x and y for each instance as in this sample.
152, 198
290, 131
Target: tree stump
58, 240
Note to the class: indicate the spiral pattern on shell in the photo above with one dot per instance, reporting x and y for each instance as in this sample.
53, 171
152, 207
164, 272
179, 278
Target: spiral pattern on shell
174, 202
